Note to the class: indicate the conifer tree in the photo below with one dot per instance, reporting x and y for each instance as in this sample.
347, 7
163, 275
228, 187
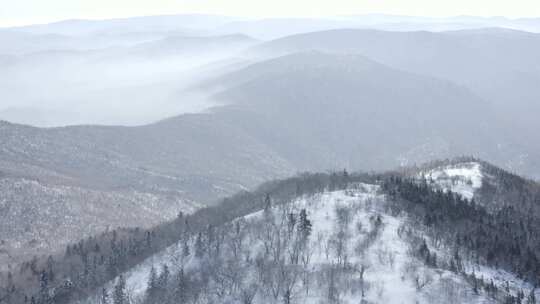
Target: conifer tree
531, 298
199, 246
185, 249
181, 289
152, 284
120, 293
104, 298
267, 211
163, 279
304, 225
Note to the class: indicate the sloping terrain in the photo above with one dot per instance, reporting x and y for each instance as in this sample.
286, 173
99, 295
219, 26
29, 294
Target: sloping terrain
170, 155
366, 254
348, 111
488, 185
344, 246
70, 176
464, 179
37, 218
115, 164
469, 57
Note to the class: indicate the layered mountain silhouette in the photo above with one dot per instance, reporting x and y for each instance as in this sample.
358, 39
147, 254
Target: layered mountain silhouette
500, 65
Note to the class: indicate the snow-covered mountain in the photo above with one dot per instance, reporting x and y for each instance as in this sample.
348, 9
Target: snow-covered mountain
477, 180
462, 178
358, 248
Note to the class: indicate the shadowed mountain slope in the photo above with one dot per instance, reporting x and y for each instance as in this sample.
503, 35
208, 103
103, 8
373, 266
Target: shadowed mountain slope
500, 65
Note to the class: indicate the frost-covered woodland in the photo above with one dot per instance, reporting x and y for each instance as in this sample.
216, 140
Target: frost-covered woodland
345, 249
343, 238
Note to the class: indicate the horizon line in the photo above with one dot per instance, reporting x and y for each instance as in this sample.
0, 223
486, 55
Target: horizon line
242, 18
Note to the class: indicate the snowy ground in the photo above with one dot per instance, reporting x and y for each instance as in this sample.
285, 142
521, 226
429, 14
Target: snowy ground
463, 178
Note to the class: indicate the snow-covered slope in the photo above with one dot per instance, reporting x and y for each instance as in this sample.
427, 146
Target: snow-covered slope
461, 178
357, 251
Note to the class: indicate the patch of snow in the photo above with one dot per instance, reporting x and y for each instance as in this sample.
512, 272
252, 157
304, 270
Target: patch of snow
501, 278
463, 179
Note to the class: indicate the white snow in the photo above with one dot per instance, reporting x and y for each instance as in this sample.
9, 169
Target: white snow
501, 278
463, 179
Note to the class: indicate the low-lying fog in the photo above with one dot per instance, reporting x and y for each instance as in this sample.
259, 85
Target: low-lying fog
128, 85
136, 71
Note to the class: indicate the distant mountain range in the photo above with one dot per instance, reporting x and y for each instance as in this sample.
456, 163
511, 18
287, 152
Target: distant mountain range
499, 65
271, 28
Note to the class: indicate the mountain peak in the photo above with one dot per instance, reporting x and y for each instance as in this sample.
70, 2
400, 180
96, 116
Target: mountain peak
463, 178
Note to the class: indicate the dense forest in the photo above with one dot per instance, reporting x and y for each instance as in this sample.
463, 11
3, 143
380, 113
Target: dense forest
506, 238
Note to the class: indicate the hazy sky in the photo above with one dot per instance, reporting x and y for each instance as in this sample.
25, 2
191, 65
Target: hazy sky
19, 12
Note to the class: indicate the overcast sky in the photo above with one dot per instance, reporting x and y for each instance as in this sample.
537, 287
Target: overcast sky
20, 12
